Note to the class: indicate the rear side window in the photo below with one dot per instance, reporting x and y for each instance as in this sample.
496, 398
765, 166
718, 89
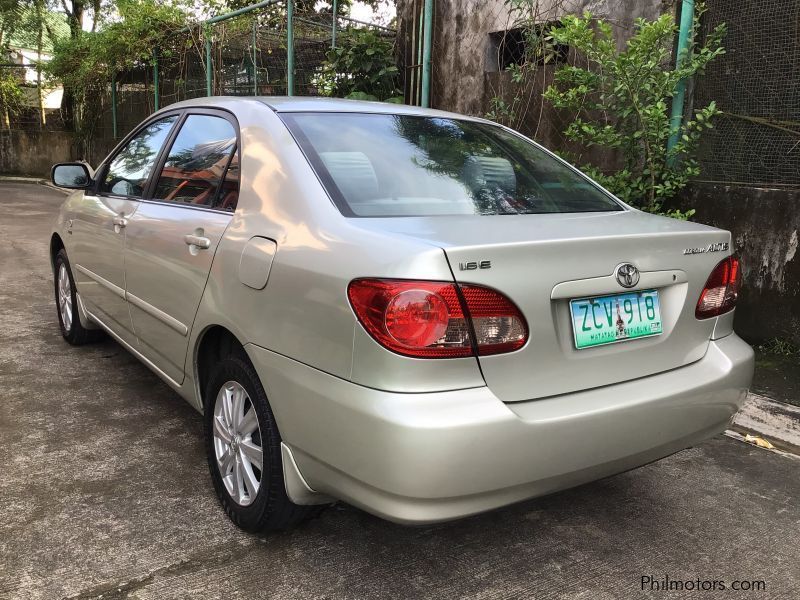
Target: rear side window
129, 169
376, 165
202, 165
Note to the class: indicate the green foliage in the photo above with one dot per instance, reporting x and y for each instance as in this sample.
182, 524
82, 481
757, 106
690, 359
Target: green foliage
511, 102
11, 98
361, 66
85, 62
779, 347
620, 103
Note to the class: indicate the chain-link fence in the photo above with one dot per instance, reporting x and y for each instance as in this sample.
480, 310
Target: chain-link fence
756, 84
258, 50
243, 55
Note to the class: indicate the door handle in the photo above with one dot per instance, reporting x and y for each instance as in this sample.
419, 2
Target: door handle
198, 241
119, 222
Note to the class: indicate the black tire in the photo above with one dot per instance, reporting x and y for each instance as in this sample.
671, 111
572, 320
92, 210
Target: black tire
74, 332
271, 508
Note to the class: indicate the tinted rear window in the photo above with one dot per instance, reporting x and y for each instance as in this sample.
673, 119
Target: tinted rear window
375, 165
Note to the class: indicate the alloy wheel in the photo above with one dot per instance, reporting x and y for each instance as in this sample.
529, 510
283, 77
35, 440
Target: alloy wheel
237, 443
64, 297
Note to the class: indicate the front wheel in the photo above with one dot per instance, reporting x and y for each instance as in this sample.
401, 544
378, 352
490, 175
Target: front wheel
243, 446
67, 304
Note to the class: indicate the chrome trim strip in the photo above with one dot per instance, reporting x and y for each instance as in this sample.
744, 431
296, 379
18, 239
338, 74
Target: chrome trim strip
151, 310
136, 353
118, 291
159, 314
603, 286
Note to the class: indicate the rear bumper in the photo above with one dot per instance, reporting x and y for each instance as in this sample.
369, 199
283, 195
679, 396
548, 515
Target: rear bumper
428, 457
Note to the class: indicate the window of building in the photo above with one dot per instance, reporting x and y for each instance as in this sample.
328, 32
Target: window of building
520, 45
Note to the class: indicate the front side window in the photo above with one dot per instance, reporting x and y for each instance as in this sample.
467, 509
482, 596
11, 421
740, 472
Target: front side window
376, 165
202, 166
130, 168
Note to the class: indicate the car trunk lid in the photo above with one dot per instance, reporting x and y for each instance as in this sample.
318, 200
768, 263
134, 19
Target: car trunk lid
541, 262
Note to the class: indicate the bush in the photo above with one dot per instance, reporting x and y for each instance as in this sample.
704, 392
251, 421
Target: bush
11, 98
620, 101
361, 66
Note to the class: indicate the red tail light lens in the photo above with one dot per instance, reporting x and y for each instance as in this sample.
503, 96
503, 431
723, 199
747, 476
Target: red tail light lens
415, 318
721, 290
425, 319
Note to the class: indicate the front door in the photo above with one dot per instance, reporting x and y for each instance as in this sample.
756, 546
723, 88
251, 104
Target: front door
97, 254
172, 237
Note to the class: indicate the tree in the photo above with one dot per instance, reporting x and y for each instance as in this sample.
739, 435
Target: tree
620, 100
84, 63
10, 97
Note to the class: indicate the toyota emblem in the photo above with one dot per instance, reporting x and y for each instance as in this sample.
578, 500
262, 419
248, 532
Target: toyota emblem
627, 275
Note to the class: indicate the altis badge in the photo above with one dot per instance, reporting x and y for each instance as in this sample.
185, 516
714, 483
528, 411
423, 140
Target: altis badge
715, 247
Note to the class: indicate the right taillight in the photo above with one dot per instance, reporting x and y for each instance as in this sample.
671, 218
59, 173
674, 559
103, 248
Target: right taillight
433, 319
721, 290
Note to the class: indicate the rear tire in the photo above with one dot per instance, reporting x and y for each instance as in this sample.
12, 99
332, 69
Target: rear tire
67, 304
243, 447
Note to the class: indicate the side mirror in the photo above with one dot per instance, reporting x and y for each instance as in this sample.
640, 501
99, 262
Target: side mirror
73, 176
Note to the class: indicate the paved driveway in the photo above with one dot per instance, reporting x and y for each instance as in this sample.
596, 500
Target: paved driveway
104, 492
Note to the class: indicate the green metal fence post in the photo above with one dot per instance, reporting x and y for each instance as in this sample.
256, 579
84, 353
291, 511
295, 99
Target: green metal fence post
418, 68
255, 55
155, 78
687, 17
114, 105
290, 47
426, 54
207, 35
333, 23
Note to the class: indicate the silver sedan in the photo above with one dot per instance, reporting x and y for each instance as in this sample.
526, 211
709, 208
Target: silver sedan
424, 314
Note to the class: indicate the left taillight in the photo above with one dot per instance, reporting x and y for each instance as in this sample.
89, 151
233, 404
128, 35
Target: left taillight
721, 290
427, 319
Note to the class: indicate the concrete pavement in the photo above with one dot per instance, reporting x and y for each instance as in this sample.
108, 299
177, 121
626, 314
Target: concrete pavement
105, 493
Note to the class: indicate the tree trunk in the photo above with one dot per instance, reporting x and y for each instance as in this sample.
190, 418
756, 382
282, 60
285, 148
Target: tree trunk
69, 108
39, 33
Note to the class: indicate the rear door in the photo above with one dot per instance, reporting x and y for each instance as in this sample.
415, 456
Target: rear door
99, 227
172, 238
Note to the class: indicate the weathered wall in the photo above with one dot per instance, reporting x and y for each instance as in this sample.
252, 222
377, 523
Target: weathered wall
32, 152
765, 224
462, 50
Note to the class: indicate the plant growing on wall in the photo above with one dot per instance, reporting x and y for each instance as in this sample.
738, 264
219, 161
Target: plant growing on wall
620, 103
362, 66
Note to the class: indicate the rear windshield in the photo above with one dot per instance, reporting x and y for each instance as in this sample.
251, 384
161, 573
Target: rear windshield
376, 165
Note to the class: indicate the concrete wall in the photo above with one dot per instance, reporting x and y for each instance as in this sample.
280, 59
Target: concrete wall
765, 224
32, 152
462, 54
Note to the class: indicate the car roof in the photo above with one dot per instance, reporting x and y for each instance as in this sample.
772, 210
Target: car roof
285, 104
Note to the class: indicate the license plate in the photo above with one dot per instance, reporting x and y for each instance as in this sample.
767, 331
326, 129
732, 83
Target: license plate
618, 318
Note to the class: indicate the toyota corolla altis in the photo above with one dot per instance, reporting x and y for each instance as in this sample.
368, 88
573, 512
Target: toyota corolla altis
424, 314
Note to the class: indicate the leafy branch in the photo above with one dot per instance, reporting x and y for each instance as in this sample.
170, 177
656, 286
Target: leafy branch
620, 103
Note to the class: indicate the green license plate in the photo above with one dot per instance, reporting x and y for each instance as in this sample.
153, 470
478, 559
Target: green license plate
618, 318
